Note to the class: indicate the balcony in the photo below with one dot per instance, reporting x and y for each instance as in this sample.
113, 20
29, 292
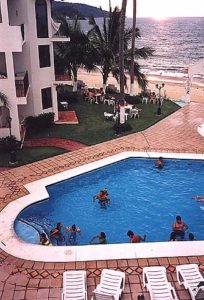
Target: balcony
22, 84
56, 34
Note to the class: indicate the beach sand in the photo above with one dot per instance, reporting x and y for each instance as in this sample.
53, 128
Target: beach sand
174, 86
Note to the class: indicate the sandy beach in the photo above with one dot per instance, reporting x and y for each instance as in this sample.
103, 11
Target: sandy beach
174, 86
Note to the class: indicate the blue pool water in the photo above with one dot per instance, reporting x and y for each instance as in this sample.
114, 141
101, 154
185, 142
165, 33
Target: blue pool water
143, 199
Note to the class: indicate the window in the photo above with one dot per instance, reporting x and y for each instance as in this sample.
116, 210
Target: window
41, 18
44, 56
46, 98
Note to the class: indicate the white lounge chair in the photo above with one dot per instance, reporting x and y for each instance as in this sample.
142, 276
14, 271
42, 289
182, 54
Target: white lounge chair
155, 280
74, 285
190, 276
111, 286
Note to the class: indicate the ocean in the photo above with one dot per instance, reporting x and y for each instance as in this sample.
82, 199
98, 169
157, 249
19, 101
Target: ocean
178, 43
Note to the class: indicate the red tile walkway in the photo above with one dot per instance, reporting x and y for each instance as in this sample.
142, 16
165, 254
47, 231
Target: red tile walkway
20, 279
67, 117
68, 145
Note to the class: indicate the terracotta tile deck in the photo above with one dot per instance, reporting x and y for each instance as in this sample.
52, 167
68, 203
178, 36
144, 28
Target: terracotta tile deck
67, 117
20, 279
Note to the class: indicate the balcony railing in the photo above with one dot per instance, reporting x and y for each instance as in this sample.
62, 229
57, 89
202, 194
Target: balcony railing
22, 84
63, 77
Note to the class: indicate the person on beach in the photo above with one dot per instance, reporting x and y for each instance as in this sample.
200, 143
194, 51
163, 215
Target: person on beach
160, 163
103, 198
44, 240
179, 227
134, 238
101, 237
73, 231
198, 198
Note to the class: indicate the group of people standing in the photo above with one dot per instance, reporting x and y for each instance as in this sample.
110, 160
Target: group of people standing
57, 237
69, 237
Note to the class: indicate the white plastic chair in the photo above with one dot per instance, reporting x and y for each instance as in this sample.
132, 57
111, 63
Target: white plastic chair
74, 285
155, 280
190, 276
111, 286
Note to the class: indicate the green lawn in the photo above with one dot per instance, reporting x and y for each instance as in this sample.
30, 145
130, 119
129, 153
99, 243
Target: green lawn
28, 155
92, 129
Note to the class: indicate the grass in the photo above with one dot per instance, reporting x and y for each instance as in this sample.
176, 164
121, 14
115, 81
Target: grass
28, 155
92, 129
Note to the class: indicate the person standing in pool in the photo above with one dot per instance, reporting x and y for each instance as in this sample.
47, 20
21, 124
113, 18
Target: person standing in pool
103, 198
101, 238
160, 163
56, 234
134, 238
179, 227
73, 230
44, 240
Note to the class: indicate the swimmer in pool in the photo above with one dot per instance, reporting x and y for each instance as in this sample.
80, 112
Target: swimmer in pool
160, 163
198, 198
102, 197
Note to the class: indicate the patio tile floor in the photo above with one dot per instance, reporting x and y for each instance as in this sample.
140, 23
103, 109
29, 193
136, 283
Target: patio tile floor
20, 279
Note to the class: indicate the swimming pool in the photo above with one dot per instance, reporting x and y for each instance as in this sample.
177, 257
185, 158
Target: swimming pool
143, 199
37, 192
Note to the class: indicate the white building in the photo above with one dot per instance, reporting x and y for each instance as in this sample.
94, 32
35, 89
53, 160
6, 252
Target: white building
27, 74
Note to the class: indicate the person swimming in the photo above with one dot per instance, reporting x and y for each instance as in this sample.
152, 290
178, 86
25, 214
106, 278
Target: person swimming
198, 198
160, 163
103, 198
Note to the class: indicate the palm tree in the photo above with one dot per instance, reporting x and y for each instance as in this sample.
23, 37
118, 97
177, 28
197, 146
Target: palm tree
105, 41
3, 99
78, 53
132, 75
121, 47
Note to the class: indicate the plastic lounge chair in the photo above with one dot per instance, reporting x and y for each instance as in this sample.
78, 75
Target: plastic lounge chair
111, 286
190, 276
155, 280
74, 285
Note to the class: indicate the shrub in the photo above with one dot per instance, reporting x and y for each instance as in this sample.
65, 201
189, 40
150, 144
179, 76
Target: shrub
40, 122
9, 143
119, 128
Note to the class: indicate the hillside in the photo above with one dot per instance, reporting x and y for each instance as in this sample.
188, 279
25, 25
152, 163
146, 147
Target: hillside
72, 9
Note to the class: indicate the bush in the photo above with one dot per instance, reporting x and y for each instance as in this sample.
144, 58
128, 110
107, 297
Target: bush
9, 143
40, 122
119, 128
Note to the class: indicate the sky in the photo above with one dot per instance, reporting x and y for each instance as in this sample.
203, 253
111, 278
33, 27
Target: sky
158, 9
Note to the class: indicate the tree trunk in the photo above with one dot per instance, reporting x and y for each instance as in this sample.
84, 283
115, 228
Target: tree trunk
75, 80
121, 48
132, 76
